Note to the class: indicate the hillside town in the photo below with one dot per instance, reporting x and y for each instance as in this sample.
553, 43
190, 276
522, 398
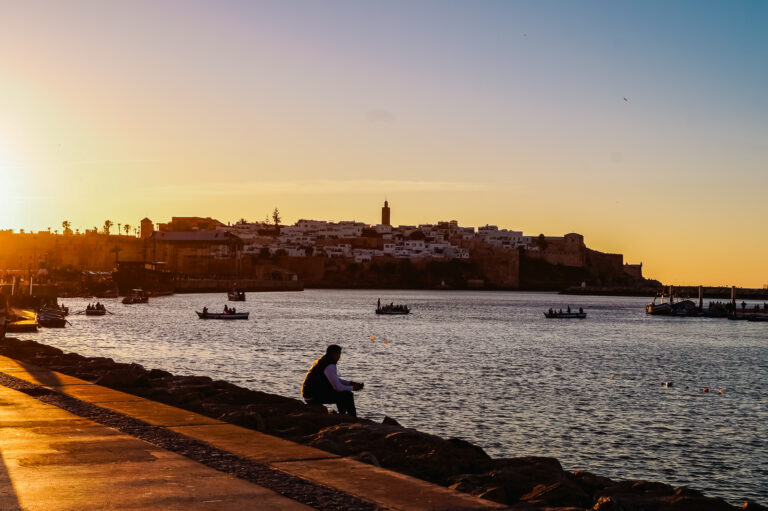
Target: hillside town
319, 253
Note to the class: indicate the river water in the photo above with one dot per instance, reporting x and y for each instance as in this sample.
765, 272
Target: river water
489, 368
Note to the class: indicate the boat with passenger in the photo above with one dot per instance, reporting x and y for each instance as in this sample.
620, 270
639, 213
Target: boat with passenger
236, 295
393, 310
229, 313
568, 314
136, 296
97, 309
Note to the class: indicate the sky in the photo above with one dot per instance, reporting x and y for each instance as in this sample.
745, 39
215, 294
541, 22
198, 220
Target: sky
641, 125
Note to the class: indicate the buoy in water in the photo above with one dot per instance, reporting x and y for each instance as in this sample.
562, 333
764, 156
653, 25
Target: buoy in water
667, 383
706, 389
372, 337
612, 375
719, 391
386, 342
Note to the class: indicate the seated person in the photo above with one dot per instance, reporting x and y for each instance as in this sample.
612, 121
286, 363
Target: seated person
322, 384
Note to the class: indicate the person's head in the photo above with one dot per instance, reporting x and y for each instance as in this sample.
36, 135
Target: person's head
333, 352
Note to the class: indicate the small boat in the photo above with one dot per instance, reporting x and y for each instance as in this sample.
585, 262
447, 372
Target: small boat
222, 315
22, 326
136, 296
236, 295
393, 310
659, 309
51, 318
51, 322
553, 314
95, 312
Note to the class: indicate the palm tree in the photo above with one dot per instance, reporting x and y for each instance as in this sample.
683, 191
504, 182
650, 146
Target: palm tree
66, 224
127, 229
107, 226
118, 228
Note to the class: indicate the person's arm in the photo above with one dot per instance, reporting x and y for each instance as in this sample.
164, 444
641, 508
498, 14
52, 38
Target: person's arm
337, 383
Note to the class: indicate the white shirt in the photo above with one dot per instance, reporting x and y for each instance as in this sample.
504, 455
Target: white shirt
337, 383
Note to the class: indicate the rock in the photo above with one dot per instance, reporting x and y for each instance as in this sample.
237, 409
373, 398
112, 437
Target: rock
518, 477
404, 450
390, 421
590, 482
650, 496
245, 417
155, 374
495, 494
367, 457
129, 375
563, 493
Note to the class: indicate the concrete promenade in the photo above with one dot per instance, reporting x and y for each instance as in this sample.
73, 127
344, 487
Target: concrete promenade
66, 443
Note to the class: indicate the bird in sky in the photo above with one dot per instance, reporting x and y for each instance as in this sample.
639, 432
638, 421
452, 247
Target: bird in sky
625, 99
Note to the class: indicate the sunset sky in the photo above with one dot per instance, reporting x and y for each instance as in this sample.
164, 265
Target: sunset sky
642, 125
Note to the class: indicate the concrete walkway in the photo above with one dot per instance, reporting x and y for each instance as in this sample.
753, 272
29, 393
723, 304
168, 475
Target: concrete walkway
53, 459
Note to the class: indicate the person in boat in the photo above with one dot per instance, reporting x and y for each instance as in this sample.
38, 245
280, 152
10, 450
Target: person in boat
88, 307
322, 384
581, 310
232, 310
378, 303
205, 310
569, 309
226, 309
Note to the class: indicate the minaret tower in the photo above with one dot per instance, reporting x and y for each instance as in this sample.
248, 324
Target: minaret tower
385, 214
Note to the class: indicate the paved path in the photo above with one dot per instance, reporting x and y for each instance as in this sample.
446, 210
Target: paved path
66, 443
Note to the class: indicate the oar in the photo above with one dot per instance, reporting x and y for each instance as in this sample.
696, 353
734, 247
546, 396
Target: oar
108, 312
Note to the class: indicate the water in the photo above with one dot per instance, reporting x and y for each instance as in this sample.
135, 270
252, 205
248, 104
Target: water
488, 367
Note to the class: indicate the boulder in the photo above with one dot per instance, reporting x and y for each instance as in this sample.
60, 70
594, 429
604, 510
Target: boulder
518, 477
404, 450
126, 376
650, 496
389, 421
562, 493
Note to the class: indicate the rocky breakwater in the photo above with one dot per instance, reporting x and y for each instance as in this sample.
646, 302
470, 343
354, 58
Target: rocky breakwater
525, 483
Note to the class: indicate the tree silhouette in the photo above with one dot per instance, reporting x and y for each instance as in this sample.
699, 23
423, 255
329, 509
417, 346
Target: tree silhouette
276, 220
66, 224
127, 229
107, 226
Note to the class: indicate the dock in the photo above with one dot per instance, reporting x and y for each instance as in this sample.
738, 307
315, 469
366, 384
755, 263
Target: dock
66, 443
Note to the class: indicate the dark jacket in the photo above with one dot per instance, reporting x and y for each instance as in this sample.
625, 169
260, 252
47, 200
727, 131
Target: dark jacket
315, 382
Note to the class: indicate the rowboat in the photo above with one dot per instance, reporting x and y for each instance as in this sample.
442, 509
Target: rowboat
95, 312
393, 310
214, 315
565, 315
51, 318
